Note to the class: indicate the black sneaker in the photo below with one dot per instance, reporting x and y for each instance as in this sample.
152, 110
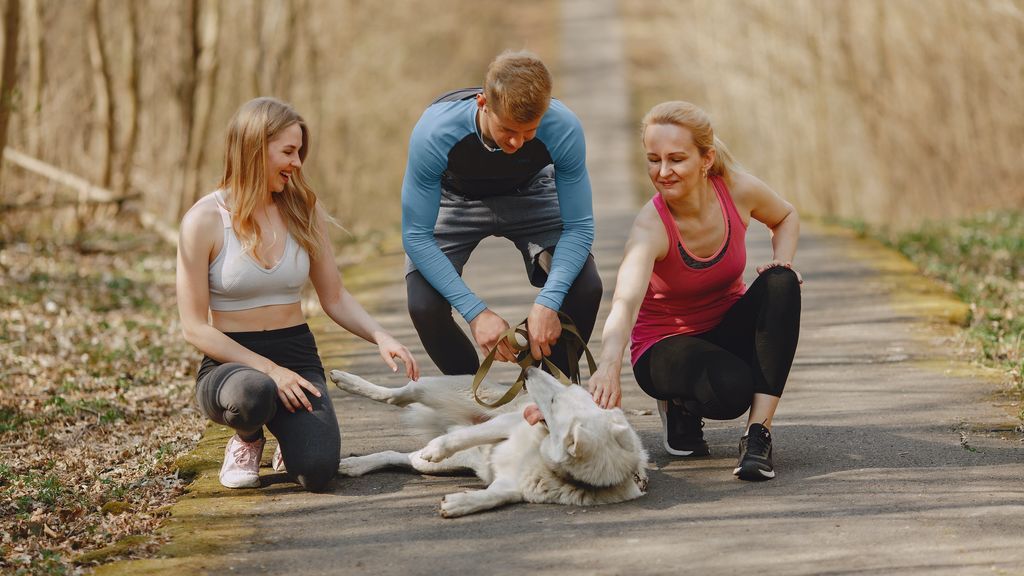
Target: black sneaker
755, 455
683, 431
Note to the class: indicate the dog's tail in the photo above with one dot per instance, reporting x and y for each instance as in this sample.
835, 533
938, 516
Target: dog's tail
443, 408
453, 405
427, 421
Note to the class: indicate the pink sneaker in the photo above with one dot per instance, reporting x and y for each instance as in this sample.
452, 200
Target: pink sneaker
241, 467
277, 462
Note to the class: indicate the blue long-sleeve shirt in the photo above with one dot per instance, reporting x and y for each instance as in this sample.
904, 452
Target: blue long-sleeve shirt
445, 147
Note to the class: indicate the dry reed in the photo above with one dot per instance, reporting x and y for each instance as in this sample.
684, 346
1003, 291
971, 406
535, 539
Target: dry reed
888, 112
360, 72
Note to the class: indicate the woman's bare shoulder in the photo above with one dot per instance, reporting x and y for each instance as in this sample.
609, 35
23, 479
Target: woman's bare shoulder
741, 182
748, 191
745, 183
649, 230
648, 216
203, 218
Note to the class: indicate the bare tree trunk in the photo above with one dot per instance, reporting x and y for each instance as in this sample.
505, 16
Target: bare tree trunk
185, 92
312, 67
188, 82
259, 76
823, 167
311, 72
131, 58
34, 28
104, 101
12, 22
275, 48
202, 101
285, 52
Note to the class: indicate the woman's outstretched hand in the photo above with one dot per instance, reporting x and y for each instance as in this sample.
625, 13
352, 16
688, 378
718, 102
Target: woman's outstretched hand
605, 387
391, 349
290, 388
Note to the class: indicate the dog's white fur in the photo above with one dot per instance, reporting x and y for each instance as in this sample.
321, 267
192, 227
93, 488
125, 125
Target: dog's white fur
584, 455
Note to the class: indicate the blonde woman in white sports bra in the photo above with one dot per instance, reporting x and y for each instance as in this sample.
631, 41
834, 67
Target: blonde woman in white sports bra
244, 253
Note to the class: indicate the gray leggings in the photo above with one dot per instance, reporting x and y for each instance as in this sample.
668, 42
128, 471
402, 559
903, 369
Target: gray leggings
246, 399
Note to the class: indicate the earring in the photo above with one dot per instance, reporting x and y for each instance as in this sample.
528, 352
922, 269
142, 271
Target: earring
704, 172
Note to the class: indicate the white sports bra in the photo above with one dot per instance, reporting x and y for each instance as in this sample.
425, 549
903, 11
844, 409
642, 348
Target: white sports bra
238, 282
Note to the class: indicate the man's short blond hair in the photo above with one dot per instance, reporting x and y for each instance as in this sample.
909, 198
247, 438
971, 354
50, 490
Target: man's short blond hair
518, 86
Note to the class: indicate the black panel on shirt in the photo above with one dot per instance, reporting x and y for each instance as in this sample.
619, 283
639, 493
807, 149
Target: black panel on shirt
475, 172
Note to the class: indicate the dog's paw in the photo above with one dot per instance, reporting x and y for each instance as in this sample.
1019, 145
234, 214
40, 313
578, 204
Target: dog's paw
455, 505
347, 382
436, 450
341, 379
354, 466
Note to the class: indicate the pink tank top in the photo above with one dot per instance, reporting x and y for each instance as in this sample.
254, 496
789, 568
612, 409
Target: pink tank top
688, 294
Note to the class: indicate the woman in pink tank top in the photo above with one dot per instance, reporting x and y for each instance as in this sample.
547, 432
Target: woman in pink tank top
703, 344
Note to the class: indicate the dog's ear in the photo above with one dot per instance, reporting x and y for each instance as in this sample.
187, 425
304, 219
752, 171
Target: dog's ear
577, 441
624, 436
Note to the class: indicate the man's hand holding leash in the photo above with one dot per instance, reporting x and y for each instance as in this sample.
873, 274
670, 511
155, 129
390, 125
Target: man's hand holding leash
487, 329
544, 328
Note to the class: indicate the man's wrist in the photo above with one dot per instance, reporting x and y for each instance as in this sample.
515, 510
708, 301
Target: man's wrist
544, 307
475, 311
547, 303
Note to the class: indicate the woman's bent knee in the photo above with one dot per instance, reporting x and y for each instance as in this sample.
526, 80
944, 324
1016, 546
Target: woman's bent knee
316, 481
729, 389
588, 286
781, 279
249, 400
311, 446
237, 396
425, 303
315, 474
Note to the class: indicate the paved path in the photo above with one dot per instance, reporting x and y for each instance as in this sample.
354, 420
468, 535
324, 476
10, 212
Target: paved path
884, 463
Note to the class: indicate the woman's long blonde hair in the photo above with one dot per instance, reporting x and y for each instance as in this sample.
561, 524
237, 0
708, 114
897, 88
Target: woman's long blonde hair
252, 127
697, 121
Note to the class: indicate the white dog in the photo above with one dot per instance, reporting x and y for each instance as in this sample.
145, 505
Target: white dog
583, 456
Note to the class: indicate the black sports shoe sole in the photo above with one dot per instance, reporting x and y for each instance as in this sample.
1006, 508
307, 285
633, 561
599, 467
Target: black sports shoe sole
751, 472
700, 451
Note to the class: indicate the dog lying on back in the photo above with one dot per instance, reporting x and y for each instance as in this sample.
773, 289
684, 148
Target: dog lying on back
581, 455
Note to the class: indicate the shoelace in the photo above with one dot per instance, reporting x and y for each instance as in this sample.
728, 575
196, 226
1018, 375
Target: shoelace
246, 452
759, 443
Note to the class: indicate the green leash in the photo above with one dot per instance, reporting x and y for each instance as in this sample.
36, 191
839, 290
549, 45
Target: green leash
525, 360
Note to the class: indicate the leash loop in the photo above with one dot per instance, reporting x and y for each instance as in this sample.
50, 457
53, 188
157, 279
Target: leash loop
525, 360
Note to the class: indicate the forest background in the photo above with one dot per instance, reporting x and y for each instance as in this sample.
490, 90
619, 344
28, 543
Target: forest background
898, 119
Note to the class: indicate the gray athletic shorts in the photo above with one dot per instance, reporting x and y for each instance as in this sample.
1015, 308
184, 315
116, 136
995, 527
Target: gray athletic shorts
529, 217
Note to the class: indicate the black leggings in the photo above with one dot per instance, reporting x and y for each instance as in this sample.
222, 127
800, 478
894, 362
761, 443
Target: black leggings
717, 373
244, 398
455, 353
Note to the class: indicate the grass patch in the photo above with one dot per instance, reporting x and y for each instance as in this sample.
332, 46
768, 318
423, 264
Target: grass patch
94, 403
982, 259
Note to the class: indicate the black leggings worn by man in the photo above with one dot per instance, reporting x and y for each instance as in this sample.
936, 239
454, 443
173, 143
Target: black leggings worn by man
504, 160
